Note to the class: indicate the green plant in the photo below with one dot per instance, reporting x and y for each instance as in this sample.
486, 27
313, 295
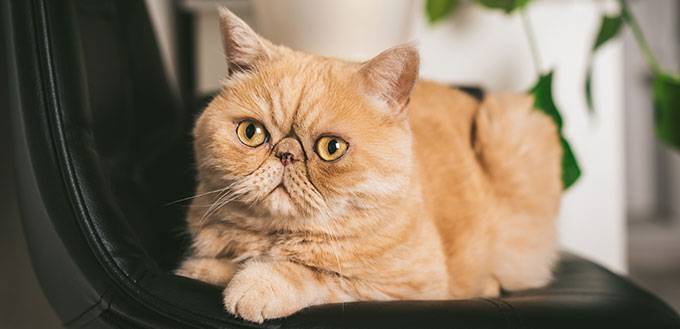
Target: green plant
665, 86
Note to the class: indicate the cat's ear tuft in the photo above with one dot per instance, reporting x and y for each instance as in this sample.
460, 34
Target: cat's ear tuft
243, 47
391, 76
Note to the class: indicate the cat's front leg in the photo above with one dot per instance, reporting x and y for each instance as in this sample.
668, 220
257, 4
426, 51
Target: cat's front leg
217, 271
265, 290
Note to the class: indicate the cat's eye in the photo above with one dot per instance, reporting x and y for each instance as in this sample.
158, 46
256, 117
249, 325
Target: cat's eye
251, 133
330, 148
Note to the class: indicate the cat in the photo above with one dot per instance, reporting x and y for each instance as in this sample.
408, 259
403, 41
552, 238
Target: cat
322, 181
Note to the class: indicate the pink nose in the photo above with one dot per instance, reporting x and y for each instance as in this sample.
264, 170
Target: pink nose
286, 159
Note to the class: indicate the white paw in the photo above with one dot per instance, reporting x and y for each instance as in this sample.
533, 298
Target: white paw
257, 293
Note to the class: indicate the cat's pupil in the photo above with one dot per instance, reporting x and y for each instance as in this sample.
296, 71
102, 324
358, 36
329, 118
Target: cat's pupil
333, 146
250, 131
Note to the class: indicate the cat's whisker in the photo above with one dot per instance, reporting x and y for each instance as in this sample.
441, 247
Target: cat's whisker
222, 201
195, 196
216, 205
213, 205
225, 190
200, 205
226, 198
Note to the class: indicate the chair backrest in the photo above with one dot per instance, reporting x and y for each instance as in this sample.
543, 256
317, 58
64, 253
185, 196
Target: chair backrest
101, 145
139, 125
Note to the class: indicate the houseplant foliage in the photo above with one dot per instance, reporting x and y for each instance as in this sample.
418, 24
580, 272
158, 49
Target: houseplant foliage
665, 86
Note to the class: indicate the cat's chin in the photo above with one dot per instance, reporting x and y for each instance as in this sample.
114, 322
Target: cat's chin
279, 203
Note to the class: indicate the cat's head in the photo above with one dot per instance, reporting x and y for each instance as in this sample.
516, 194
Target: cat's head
293, 135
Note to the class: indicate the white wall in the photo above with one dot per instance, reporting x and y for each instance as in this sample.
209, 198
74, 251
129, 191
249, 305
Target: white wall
489, 49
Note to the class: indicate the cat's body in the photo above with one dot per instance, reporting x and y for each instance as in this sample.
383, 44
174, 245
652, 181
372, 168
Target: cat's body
443, 197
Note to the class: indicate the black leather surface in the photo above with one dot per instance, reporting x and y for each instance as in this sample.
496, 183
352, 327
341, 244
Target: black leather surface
101, 146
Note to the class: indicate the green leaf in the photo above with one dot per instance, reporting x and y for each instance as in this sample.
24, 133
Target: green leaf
543, 101
438, 9
609, 28
666, 93
507, 5
570, 169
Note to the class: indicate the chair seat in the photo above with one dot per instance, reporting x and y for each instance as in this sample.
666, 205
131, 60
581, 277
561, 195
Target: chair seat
582, 295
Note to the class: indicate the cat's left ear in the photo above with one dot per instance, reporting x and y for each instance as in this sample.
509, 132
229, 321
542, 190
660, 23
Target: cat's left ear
242, 46
391, 76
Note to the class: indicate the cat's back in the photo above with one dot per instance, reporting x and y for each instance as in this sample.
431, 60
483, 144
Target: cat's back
437, 106
489, 174
441, 120
438, 97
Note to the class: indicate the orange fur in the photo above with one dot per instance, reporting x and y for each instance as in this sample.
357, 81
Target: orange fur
422, 205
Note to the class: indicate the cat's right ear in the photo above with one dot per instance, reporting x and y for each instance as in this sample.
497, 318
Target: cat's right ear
391, 76
243, 47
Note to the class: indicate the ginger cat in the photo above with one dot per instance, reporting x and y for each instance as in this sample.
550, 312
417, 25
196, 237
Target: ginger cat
324, 181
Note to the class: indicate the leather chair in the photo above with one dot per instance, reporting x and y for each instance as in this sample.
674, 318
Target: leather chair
101, 145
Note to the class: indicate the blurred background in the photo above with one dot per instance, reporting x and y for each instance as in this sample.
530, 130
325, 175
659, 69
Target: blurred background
624, 212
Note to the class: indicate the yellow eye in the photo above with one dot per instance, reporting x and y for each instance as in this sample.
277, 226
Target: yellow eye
331, 148
251, 133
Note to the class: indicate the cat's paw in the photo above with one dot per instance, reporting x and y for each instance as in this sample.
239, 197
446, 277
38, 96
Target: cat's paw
217, 271
260, 292
492, 288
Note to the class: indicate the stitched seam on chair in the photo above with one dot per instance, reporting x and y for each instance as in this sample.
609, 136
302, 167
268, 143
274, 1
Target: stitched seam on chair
88, 310
85, 312
54, 118
500, 309
61, 146
514, 311
121, 321
69, 178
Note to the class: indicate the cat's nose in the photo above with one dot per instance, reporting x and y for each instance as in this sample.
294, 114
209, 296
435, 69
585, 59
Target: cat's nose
286, 158
288, 150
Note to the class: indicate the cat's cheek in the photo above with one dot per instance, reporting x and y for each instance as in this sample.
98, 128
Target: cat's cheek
332, 178
236, 160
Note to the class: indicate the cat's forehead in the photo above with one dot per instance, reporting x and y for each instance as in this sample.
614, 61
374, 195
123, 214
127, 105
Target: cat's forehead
305, 94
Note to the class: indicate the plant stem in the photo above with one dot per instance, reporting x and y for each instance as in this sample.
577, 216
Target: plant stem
628, 17
531, 37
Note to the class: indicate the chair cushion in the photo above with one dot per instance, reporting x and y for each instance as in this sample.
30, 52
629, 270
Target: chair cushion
582, 295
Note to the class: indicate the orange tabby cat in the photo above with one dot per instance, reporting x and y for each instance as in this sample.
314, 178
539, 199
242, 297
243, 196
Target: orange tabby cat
320, 182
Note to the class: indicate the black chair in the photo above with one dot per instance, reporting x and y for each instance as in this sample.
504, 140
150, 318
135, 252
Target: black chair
101, 145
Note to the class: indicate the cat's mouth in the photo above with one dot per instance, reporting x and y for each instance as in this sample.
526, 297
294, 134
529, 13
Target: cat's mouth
284, 192
281, 186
